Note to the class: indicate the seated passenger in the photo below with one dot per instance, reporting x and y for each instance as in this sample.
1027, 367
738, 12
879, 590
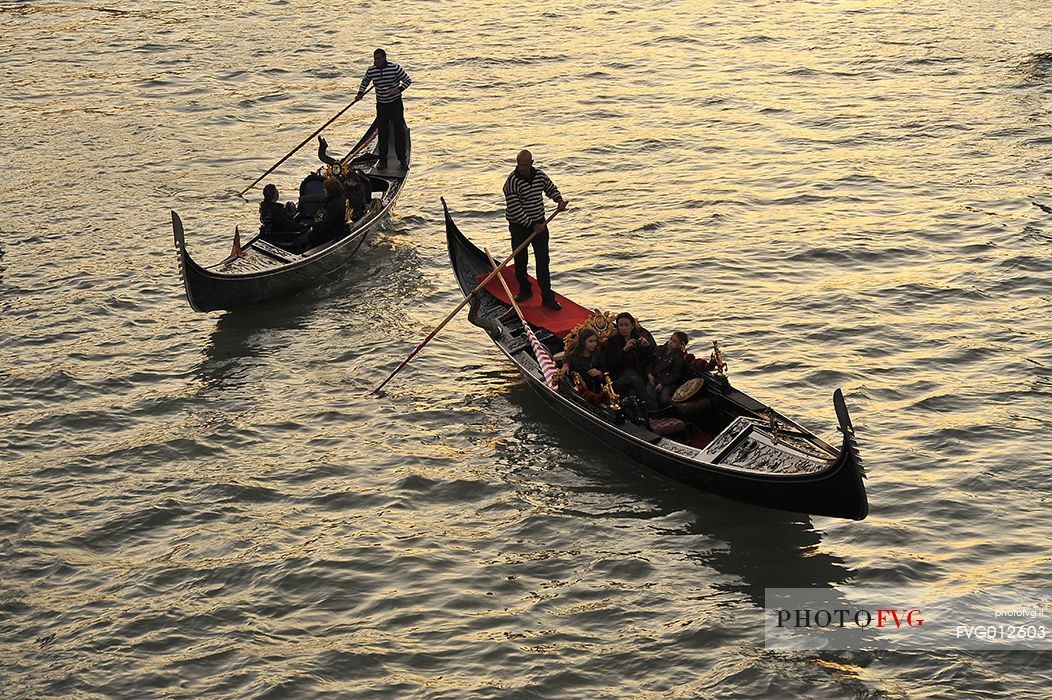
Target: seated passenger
359, 193
667, 371
276, 220
331, 221
629, 356
312, 197
586, 361
355, 183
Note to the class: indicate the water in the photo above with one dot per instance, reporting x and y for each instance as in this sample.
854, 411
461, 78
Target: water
844, 194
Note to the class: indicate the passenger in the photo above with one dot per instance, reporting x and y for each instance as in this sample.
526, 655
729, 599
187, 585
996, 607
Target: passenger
629, 356
276, 220
331, 221
667, 371
355, 183
312, 198
586, 360
359, 193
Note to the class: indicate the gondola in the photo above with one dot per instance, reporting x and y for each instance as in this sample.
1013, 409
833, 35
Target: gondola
751, 452
264, 271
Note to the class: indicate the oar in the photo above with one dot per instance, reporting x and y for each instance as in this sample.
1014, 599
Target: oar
504, 283
302, 144
463, 303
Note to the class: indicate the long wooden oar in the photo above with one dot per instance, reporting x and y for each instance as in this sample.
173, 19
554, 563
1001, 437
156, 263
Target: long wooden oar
522, 318
504, 283
464, 302
289, 154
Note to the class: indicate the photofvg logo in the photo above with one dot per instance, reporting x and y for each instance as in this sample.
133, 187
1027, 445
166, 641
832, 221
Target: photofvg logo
909, 618
842, 617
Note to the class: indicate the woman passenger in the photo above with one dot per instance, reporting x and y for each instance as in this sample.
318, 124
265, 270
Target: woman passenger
330, 222
629, 356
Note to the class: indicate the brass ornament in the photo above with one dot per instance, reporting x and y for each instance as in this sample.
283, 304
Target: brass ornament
687, 390
717, 359
603, 323
610, 396
608, 390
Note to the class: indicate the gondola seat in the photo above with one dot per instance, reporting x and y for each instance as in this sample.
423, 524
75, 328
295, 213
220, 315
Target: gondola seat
312, 196
667, 427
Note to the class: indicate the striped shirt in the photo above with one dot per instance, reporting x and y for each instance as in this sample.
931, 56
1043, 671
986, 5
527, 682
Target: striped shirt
525, 203
390, 76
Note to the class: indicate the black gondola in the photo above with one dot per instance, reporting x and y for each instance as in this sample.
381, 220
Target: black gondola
265, 271
755, 455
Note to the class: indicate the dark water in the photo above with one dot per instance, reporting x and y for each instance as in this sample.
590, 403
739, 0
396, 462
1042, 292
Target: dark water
844, 194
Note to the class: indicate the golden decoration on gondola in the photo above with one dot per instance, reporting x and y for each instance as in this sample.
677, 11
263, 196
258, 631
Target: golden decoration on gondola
717, 359
609, 396
603, 323
338, 170
578, 381
688, 389
612, 398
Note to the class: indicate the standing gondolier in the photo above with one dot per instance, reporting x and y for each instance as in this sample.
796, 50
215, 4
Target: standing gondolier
390, 81
523, 192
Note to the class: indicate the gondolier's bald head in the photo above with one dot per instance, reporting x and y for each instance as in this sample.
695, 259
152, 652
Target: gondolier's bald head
524, 161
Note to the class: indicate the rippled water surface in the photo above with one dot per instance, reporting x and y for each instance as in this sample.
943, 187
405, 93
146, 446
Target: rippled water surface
845, 194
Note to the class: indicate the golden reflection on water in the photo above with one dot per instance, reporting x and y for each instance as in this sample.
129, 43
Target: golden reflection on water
837, 192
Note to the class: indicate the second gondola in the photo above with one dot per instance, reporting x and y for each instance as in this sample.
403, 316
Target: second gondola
260, 270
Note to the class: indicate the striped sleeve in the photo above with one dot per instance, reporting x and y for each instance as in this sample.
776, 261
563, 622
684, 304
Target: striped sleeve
404, 80
515, 211
550, 189
365, 83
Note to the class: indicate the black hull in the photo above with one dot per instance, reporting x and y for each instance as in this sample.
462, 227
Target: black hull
211, 289
837, 491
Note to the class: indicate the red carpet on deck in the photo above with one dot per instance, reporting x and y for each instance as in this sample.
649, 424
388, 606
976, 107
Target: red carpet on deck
558, 322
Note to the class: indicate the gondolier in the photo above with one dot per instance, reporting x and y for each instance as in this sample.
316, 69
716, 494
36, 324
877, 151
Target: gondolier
523, 192
390, 81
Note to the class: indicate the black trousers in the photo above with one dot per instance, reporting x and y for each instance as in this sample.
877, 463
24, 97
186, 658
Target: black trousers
391, 116
520, 233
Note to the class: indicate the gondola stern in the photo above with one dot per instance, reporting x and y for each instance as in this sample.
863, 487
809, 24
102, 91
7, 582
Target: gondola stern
842, 415
450, 225
177, 231
851, 465
188, 268
456, 239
